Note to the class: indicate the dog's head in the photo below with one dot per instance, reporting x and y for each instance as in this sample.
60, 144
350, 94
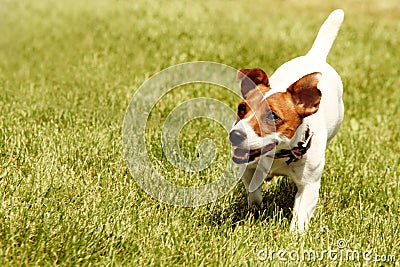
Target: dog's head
267, 119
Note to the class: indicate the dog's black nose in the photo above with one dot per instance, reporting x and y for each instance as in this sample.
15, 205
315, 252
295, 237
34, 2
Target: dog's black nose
237, 137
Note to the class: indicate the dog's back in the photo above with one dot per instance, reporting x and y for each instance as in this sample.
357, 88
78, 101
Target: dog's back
331, 106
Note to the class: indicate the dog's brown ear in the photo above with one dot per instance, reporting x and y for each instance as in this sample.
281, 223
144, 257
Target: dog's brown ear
305, 94
250, 78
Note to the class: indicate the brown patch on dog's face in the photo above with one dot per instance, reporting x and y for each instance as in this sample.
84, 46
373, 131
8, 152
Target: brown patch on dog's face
281, 112
254, 84
252, 102
278, 114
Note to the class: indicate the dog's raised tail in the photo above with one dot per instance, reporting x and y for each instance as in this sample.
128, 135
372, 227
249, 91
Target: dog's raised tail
327, 35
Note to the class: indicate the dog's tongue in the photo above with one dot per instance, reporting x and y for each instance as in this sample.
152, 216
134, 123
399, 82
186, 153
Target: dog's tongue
268, 148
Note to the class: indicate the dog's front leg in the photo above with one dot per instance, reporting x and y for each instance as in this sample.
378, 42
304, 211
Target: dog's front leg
308, 182
304, 205
254, 198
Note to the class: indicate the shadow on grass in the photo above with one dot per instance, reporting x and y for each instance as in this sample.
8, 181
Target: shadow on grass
278, 199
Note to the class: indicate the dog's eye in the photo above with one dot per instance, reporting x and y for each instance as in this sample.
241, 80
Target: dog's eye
242, 110
271, 116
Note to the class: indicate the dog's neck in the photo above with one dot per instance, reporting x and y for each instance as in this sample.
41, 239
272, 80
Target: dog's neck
299, 134
299, 145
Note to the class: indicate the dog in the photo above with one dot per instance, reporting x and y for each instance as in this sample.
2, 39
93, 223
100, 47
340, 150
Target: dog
286, 122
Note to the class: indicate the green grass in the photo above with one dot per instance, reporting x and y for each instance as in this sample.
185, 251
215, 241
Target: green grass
68, 70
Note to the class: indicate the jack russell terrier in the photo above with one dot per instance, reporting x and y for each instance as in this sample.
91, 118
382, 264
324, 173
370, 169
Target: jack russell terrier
286, 122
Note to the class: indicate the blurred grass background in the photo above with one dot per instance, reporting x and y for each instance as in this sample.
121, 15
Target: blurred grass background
68, 70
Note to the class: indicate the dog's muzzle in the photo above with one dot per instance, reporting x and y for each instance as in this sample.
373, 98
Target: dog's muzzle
245, 155
237, 137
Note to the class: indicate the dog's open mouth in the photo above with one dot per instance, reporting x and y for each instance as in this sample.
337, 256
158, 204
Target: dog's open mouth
242, 156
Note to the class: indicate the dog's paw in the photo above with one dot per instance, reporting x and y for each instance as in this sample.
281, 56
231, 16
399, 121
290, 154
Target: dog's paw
296, 228
254, 206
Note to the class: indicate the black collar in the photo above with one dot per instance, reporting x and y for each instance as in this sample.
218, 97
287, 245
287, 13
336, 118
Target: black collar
296, 153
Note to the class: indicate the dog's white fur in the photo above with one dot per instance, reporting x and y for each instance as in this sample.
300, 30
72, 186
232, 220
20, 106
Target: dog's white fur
324, 124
